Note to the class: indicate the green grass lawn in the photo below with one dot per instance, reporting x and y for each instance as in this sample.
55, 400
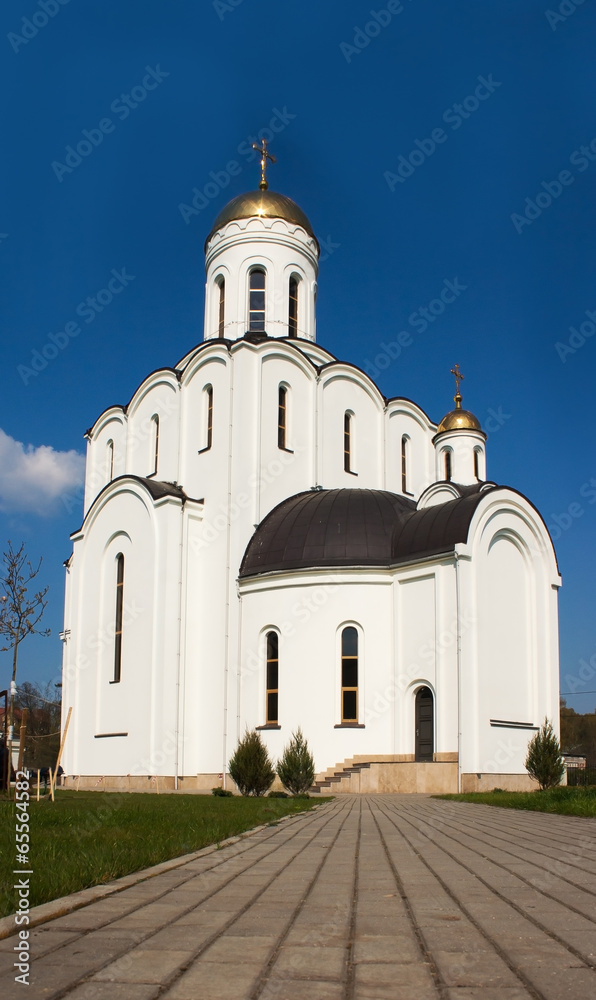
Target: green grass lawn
564, 800
89, 838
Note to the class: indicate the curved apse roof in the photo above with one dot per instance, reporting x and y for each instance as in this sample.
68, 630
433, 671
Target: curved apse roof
355, 527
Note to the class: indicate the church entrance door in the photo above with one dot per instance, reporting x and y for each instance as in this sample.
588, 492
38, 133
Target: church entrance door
424, 746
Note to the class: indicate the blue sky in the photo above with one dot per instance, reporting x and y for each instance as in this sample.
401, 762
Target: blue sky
427, 141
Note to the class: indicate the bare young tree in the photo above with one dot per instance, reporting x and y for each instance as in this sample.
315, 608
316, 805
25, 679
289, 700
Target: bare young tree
20, 611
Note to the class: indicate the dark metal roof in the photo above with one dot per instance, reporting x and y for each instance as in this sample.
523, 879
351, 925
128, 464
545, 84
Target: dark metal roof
158, 488
354, 527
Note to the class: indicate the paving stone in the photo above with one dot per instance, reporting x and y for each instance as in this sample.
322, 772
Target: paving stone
287, 989
305, 961
144, 966
199, 917
386, 949
484, 968
114, 991
484, 993
413, 975
93, 949
212, 981
250, 925
41, 940
229, 948
152, 915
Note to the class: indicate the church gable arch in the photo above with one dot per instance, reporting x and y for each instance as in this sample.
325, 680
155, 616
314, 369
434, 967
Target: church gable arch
352, 433
166, 380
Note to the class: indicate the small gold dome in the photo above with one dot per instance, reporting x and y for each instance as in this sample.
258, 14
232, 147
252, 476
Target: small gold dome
459, 420
266, 204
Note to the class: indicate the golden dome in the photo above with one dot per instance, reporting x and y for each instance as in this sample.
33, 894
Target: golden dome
459, 420
266, 204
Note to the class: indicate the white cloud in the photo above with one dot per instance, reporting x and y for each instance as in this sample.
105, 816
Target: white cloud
33, 479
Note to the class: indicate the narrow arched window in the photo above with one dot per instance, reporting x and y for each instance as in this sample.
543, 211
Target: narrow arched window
425, 725
222, 306
293, 307
209, 401
348, 442
448, 465
110, 461
272, 699
282, 417
118, 618
155, 420
349, 675
206, 430
404, 464
476, 464
256, 306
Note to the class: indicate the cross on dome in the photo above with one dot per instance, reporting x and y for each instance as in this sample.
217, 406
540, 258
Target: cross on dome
265, 155
458, 378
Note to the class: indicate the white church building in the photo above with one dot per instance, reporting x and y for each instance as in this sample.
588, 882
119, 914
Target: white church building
269, 542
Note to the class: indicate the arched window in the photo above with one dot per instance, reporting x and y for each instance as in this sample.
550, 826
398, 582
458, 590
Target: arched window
476, 463
110, 460
425, 726
118, 618
293, 307
282, 418
349, 675
155, 420
348, 444
404, 464
447, 454
222, 306
271, 707
256, 305
209, 421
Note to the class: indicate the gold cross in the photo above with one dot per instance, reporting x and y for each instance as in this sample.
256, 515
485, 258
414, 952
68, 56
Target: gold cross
265, 155
458, 378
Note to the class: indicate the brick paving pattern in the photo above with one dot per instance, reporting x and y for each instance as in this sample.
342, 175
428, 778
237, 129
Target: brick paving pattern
364, 898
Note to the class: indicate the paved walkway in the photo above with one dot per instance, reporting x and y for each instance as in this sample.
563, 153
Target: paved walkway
388, 896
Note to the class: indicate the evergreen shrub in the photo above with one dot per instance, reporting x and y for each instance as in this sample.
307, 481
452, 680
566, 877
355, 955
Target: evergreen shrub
250, 767
296, 769
544, 762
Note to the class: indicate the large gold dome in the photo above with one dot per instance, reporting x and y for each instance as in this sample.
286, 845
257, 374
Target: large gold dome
265, 204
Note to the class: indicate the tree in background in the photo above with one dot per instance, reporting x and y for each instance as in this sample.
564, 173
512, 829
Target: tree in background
578, 736
544, 762
296, 769
251, 767
43, 724
20, 611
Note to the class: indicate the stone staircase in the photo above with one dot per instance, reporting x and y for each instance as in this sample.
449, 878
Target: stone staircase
334, 779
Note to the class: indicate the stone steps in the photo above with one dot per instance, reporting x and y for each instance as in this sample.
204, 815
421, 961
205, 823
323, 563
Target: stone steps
337, 776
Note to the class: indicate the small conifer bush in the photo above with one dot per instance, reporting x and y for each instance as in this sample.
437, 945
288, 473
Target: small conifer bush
250, 767
544, 761
296, 769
